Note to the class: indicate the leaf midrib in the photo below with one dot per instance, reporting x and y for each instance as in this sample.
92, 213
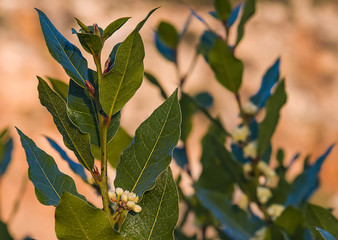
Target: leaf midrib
77, 150
79, 223
152, 151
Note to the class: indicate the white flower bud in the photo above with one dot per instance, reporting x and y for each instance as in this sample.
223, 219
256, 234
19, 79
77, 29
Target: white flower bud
268, 172
247, 168
131, 196
250, 150
124, 197
135, 199
275, 210
119, 191
137, 208
250, 109
130, 205
112, 196
259, 234
90, 180
263, 194
243, 202
240, 134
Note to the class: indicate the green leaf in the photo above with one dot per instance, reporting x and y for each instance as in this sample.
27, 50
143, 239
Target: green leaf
6, 150
227, 68
60, 87
140, 25
292, 222
188, 109
114, 148
90, 42
49, 182
155, 82
73, 138
83, 112
150, 152
4, 234
317, 216
236, 220
249, 9
268, 125
168, 34
273, 232
159, 214
223, 9
83, 26
65, 53
123, 80
77, 220
113, 27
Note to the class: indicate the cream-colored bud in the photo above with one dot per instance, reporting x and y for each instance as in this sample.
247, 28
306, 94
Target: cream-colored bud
250, 150
250, 109
124, 197
90, 180
136, 199
275, 210
240, 134
126, 192
119, 191
137, 208
268, 172
263, 194
243, 202
130, 205
247, 168
131, 196
112, 195
259, 234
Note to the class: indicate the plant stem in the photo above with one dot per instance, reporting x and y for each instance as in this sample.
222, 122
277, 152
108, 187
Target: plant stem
238, 100
18, 200
103, 145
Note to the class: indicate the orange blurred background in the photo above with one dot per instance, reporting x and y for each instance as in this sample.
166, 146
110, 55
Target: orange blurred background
302, 32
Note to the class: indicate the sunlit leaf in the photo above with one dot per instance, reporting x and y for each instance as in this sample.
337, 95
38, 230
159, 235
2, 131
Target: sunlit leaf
60, 87
113, 27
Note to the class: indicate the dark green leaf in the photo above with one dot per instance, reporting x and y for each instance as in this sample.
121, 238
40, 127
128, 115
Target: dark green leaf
280, 157
273, 232
317, 216
227, 68
292, 222
68, 55
167, 52
49, 182
307, 182
325, 234
188, 108
155, 82
140, 25
249, 9
204, 99
90, 42
268, 125
168, 35
60, 87
236, 221
181, 158
223, 9
159, 214
113, 27
207, 42
4, 234
73, 138
6, 149
77, 220
83, 26
151, 150
122, 81
77, 168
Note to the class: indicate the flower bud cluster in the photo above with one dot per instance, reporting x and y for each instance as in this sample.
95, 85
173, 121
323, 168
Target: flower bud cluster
268, 172
125, 199
275, 210
250, 109
240, 134
263, 194
250, 150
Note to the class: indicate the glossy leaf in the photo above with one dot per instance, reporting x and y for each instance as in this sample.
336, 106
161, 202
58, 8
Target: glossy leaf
73, 138
159, 214
268, 125
76, 168
49, 182
6, 149
155, 82
270, 78
249, 9
317, 216
65, 53
113, 27
204, 99
84, 114
233, 15
4, 234
75, 219
188, 108
238, 222
227, 68
150, 152
223, 9
59, 87
90, 42
206, 43
307, 182
325, 234
122, 81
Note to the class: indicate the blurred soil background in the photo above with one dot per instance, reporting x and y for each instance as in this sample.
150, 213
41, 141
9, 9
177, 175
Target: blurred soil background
304, 33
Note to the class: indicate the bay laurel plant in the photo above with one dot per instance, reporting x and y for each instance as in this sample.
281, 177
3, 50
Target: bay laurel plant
143, 204
239, 195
